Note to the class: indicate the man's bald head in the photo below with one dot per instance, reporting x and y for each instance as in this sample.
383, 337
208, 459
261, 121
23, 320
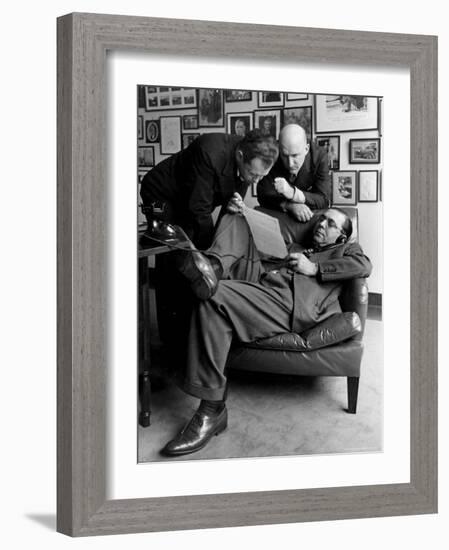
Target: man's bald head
293, 147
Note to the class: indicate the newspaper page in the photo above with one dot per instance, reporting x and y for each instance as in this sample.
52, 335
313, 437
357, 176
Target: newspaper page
266, 233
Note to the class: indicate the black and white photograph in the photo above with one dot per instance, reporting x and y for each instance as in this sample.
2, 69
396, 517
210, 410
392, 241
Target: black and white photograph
332, 146
166, 97
364, 151
210, 107
242, 370
152, 131
301, 116
270, 99
268, 122
232, 96
368, 186
344, 188
345, 113
139, 127
239, 124
297, 97
170, 134
190, 122
145, 157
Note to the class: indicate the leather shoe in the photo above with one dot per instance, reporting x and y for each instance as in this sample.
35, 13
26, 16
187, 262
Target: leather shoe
197, 433
199, 272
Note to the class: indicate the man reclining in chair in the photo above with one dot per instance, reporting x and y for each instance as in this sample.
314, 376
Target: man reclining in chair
243, 298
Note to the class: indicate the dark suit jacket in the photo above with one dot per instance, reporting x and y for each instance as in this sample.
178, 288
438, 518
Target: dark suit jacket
313, 180
316, 298
195, 181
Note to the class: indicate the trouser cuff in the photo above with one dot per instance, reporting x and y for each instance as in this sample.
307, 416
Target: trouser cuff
211, 394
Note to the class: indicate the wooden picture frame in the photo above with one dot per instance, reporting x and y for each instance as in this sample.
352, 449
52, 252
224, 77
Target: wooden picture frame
159, 98
342, 113
269, 122
152, 131
364, 151
139, 127
301, 116
239, 123
190, 122
368, 186
296, 97
83, 507
344, 188
145, 157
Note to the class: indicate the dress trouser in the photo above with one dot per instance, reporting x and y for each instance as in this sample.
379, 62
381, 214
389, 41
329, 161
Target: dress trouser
257, 305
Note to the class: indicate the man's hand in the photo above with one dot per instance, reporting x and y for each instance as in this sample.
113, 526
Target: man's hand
235, 204
301, 264
301, 212
284, 188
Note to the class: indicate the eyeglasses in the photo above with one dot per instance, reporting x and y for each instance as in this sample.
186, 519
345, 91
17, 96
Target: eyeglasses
330, 222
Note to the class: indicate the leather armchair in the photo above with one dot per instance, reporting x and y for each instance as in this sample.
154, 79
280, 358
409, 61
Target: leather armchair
331, 348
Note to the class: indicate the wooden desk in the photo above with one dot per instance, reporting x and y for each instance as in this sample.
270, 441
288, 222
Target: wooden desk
144, 319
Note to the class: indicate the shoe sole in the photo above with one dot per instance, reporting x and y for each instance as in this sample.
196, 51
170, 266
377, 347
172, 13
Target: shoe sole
220, 429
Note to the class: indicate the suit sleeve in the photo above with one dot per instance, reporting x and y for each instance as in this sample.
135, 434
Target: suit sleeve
320, 193
352, 265
201, 177
267, 195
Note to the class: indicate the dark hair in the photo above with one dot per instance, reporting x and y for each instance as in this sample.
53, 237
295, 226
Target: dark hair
347, 226
256, 145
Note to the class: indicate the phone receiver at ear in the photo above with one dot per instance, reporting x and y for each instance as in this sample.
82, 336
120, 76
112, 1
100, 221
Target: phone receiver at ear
341, 239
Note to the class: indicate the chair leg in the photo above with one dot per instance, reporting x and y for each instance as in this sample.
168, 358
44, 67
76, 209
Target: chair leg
353, 390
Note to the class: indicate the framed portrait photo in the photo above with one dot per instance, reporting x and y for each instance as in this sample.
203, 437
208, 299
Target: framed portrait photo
102, 487
239, 124
170, 134
344, 188
152, 131
368, 186
364, 151
210, 108
332, 146
345, 113
268, 122
232, 96
301, 116
270, 99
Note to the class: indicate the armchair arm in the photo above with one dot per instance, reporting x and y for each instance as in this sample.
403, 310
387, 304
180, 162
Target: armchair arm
354, 297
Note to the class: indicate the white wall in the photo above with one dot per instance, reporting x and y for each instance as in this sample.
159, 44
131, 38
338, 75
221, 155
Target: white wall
28, 319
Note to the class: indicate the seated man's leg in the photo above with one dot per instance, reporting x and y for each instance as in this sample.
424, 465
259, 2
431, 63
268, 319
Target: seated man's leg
241, 310
233, 246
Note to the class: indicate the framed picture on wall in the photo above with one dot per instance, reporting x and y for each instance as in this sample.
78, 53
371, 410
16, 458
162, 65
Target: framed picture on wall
344, 188
152, 131
145, 157
166, 97
211, 111
301, 116
368, 186
270, 99
239, 124
190, 122
140, 127
232, 96
364, 151
170, 134
297, 97
187, 139
332, 145
345, 113
269, 122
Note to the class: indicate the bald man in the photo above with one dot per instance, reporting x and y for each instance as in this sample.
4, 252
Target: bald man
299, 181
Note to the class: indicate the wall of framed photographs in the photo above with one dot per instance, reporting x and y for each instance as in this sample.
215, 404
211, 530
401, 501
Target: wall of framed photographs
348, 127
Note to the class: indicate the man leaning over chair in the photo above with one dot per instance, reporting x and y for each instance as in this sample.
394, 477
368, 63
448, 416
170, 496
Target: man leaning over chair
243, 297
